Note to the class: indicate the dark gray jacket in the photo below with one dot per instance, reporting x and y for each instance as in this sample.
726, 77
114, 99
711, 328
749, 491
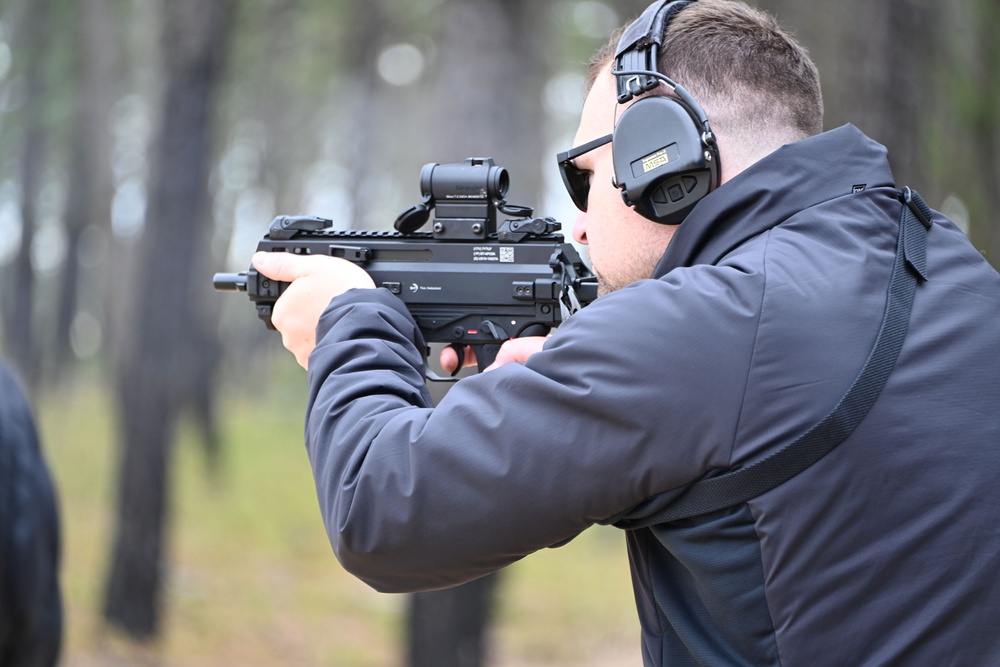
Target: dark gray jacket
756, 322
30, 598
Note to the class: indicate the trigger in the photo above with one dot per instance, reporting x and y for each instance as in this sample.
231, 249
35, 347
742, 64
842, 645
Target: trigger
459, 356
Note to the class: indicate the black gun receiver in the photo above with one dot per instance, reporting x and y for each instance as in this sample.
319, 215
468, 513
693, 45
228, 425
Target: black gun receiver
468, 281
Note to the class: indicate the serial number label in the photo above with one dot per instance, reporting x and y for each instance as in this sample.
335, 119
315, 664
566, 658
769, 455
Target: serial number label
492, 254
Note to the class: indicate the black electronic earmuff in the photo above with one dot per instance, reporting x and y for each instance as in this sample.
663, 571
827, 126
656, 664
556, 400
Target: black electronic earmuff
664, 151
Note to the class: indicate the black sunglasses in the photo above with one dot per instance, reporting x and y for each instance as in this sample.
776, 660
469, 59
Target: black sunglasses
577, 181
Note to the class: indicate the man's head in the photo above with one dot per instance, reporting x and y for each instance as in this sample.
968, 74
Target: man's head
758, 88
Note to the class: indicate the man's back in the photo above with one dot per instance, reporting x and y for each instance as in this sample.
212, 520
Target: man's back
883, 551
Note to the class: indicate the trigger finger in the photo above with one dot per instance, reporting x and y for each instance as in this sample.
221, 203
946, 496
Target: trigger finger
453, 365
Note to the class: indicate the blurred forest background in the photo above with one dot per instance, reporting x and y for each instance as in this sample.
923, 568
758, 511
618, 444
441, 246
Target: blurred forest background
145, 144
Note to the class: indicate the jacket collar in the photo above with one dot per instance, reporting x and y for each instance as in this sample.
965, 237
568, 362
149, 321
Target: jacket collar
791, 179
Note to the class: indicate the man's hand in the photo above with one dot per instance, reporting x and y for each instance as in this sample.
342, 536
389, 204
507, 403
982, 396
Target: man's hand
515, 349
315, 280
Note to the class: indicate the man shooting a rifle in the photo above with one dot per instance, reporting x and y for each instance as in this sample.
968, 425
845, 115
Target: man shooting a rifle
771, 301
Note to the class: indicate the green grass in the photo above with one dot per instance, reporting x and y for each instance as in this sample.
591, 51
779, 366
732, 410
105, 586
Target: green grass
252, 579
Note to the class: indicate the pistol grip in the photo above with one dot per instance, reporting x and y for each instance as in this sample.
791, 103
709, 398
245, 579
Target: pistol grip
486, 354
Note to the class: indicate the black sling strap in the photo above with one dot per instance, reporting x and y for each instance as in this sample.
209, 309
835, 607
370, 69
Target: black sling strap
738, 486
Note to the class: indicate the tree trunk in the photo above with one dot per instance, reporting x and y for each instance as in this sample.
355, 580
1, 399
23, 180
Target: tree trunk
170, 356
500, 46
32, 41
448, 628
887, 74
985, 131
495, 60
365, 112
872, 58
88, 200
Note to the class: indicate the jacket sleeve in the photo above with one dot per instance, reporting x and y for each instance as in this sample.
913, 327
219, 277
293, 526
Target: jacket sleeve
522, 457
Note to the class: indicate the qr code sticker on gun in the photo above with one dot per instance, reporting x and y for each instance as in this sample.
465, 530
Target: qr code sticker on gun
506, 254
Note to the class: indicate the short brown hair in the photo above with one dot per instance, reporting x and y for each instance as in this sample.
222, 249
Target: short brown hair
742, 67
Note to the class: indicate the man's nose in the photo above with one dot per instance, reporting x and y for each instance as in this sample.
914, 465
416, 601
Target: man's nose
580, 229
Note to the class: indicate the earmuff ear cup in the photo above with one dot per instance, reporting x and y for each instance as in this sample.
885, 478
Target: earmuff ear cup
662, 164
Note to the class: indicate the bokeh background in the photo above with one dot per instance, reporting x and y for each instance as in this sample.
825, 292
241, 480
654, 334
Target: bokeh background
145, 144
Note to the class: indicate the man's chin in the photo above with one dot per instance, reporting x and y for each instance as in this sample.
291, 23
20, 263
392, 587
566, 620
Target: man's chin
605, 285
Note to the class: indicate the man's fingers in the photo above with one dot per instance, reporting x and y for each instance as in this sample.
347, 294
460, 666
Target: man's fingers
287, 267
448, 360
518, 350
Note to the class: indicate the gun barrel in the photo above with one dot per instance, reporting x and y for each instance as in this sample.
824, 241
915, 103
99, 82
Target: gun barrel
230, 282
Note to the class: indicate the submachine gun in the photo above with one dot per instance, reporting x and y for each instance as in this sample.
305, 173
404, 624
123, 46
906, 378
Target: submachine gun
468, 281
